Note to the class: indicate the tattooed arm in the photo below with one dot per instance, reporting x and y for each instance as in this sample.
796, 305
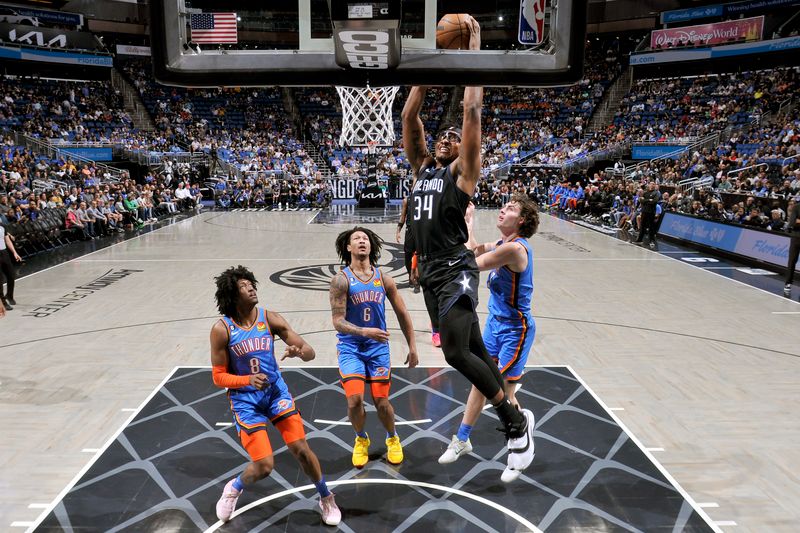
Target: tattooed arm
338, 298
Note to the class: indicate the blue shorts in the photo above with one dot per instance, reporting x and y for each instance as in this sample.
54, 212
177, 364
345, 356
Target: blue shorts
368, 362
509, 343
252, 409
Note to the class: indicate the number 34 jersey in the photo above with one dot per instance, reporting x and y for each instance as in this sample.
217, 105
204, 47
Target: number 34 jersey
437, 208
366, 306
250, 350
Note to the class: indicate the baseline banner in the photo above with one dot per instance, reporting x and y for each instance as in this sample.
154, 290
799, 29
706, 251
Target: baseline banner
750, 29
344, 189
763, 246
652, 151
95, 154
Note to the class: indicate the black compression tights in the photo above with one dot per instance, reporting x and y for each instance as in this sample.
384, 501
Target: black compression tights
464, 350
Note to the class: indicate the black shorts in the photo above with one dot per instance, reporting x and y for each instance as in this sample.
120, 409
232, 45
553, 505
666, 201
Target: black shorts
408, 249
446, 279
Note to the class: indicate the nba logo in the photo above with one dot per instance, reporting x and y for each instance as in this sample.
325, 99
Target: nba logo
531, 22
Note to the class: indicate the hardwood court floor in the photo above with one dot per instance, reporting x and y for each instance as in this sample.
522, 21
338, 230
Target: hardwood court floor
701, 365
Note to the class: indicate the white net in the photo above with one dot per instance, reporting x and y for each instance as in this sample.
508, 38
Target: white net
367, 115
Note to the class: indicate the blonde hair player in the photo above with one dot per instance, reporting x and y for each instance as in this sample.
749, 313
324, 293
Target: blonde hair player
510, 328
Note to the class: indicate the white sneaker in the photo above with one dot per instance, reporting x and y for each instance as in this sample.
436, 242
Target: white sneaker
227, 502
520, 451
787, 289
454, 450
331, 515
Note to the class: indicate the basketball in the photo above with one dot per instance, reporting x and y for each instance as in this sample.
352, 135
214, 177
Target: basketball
452, 32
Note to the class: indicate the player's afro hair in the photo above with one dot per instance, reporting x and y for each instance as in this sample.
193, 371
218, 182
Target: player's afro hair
228, 289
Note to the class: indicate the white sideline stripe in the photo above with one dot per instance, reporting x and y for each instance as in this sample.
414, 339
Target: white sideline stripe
21, 524
38, 505
526, 524
347, 422
654, 449
90, 450
223, 424
708, 504
647, 453
108, 247
786, 312
726, 523
108, 443
679, 252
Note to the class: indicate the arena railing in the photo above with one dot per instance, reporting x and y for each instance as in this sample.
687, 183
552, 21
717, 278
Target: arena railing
712, 139
783, 162
45, 148
739, 170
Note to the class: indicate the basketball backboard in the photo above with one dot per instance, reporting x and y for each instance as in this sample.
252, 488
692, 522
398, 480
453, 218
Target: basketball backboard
291, 43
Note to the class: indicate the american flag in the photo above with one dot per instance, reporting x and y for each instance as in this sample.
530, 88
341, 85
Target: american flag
213, 27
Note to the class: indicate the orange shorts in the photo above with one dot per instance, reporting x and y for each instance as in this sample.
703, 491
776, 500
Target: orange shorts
379, 389
257, 443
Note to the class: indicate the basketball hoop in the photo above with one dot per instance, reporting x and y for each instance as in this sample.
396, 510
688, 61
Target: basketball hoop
367, 116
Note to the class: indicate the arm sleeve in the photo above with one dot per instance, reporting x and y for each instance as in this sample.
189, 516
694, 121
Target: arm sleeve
221, 378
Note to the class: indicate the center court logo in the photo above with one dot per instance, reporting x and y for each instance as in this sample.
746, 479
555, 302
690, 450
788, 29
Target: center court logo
318, 277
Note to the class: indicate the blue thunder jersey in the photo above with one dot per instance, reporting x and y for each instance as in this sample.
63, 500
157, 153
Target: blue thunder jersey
511, 292
366, 305
250, 351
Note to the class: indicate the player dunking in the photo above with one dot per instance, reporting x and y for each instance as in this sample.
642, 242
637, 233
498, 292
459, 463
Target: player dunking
358, 307
445, 183
510, 328
243, 361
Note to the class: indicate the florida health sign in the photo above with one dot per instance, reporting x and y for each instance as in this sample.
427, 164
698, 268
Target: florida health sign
759, 245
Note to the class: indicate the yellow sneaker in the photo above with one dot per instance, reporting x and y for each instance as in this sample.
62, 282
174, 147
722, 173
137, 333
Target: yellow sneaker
394, 450
361, 452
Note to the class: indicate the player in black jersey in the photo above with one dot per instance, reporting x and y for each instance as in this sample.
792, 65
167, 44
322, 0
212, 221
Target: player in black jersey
445, 183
